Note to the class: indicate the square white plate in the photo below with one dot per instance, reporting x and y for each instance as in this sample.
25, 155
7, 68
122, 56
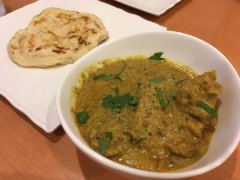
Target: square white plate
32, 90
155, 7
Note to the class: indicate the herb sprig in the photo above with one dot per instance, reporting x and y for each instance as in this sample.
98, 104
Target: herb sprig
157, 80
211, 111
180, 81
104, 143
157, 56
161, 100
111, 77
82, 117
119, 102
170, 97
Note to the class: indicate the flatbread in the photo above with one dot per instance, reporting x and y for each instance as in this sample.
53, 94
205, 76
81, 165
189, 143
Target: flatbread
56, 36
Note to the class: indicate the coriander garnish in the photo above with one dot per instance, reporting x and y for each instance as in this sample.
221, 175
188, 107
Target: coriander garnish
82, 117
211, 111
160, 98
157, 56
171, 95
111, 77
118, 101
179, 81
157, 80
104, 143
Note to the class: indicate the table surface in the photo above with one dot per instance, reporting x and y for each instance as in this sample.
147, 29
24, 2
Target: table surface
27, 152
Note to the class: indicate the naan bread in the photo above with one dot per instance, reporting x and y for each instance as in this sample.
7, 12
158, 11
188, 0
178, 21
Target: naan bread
56, 36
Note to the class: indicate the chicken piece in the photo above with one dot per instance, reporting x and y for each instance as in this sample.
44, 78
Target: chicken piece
201, 88
195, 128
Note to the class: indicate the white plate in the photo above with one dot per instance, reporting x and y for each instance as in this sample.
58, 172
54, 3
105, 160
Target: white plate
32, 90
155, 7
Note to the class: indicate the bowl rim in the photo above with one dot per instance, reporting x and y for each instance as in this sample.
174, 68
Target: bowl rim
129, 170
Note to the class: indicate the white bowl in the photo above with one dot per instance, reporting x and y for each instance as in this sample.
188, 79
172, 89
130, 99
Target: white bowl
186, 49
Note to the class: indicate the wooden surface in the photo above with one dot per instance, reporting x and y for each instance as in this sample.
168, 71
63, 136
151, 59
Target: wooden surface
27, 152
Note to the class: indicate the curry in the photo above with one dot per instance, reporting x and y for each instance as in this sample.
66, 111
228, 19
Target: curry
147, 113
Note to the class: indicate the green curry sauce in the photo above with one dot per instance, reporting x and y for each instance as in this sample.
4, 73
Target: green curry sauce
147, 113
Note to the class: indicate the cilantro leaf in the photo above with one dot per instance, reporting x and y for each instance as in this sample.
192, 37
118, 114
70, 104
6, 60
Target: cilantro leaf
171, 95
211, 111
160, 98
104, 143
157, 80
99, 76
82, 117
157, 56
180, 81
111, 77
119, 101
109, 135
